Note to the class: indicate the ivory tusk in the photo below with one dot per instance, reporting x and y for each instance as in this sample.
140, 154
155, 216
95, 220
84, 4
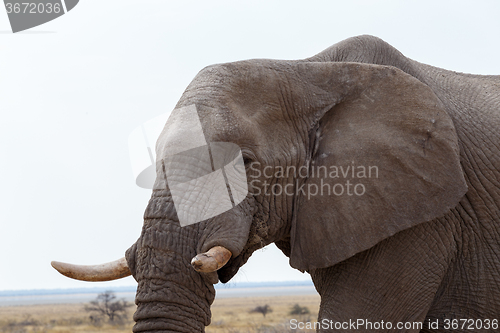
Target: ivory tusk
104, 272
212, 260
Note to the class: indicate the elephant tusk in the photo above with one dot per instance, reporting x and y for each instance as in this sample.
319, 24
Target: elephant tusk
212, 260
105, 272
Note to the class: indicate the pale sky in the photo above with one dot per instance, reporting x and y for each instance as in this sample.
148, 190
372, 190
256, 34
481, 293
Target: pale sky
72, 90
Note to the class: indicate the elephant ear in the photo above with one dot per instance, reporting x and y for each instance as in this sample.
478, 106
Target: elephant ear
384, 157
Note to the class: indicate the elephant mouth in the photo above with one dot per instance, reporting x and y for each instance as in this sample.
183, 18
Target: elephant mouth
229, 270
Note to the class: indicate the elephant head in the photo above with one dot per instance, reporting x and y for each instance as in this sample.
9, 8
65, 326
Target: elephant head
338, 157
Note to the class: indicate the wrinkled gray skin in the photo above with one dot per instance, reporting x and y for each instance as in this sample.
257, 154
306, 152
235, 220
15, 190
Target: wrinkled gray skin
423, 242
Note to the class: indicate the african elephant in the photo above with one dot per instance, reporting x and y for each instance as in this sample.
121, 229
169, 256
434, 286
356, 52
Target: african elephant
418, 239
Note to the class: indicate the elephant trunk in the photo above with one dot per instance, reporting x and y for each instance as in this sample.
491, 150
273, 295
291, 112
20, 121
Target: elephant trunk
165, 317
171, 295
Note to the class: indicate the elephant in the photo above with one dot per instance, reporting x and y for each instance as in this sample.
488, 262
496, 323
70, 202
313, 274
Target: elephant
395, 215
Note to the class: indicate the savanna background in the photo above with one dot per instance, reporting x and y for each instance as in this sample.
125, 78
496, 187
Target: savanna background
229, 315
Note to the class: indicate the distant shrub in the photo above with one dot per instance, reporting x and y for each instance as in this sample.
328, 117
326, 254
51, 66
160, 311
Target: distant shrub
299, 310
105, 305
262, 309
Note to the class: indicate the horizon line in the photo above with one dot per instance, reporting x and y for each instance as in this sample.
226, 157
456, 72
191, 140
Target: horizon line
83, 290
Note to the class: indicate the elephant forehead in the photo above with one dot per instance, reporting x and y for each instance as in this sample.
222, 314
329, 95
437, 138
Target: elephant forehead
183, 131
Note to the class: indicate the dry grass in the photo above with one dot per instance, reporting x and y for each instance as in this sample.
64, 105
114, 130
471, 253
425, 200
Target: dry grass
60, 318
232, 314
229, 315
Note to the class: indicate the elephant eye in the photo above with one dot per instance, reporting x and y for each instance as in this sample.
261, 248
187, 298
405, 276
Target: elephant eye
246, 160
